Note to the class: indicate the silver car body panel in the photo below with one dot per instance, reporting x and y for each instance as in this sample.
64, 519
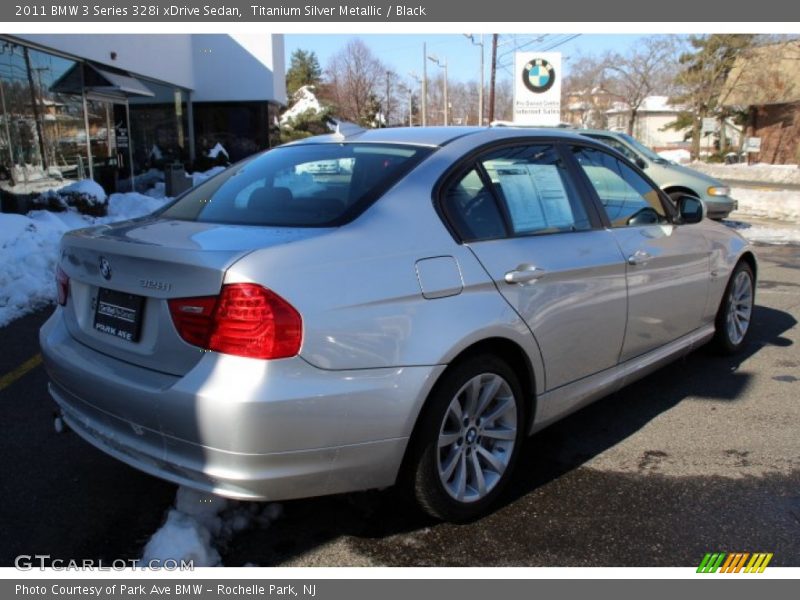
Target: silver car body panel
388, 301
667, 284
581, 274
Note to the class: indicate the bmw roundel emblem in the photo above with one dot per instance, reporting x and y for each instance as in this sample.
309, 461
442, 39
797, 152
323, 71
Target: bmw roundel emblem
105, 268
538, 76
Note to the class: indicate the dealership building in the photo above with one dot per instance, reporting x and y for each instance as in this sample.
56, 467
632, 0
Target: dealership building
111, 107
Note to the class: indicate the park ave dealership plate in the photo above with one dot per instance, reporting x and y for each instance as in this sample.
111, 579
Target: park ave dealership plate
118, 314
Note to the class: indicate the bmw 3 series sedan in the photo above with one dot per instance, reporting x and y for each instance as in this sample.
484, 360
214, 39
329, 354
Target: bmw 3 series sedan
393, 306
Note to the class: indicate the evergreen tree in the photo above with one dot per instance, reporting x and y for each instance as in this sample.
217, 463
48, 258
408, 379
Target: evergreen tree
303, 70
701, 82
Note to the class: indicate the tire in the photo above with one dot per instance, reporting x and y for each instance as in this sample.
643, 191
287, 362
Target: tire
735, 315
467, 440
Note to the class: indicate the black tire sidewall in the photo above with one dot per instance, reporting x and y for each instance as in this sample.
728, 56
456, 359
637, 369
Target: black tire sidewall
428, 488
723, 341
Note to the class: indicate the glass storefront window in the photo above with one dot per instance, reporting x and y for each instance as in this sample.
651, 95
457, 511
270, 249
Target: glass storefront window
159, 127
42, 133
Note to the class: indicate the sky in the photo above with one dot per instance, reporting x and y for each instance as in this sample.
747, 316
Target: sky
404, 52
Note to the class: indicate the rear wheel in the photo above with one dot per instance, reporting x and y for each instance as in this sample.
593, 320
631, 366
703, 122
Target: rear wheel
736, 311
468, 439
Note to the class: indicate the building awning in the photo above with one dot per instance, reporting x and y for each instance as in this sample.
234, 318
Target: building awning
101, 82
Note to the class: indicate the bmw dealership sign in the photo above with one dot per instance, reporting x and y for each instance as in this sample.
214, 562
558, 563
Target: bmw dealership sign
537, 88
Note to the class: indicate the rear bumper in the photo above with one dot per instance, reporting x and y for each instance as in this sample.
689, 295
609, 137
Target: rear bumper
239, 427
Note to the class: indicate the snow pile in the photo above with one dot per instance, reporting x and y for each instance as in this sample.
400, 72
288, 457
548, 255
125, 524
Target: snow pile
85, 187
304, 100
679, 155
765, 234
217, 150
85, 195
760, 172
780, 205
198, 178
131, 205
201, 524
29, 250
29, 243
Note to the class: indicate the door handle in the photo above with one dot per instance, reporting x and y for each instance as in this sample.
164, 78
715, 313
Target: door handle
524, 273
639, 257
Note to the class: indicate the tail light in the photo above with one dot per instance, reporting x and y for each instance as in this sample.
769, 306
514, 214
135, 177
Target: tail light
245, 319
62, 286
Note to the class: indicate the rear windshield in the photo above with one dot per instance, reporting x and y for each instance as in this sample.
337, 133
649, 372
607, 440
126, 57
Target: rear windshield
309, 185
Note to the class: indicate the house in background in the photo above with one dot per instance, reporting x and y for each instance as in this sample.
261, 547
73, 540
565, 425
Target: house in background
587, 107
765, 81
112, 106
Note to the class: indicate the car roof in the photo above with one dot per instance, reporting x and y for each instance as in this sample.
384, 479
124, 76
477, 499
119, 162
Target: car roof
605, 132
430, 136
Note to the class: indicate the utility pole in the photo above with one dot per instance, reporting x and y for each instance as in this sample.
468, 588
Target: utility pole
443, 65
424, 84
480, 91
386, 112
493, 77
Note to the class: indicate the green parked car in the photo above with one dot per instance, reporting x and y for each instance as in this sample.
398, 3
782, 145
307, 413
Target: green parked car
671, 177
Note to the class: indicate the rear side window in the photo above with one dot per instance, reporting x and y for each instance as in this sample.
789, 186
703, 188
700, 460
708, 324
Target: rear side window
536, 189
473, 210
526, 187
313, 185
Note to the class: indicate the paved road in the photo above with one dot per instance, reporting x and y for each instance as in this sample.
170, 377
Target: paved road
702, 456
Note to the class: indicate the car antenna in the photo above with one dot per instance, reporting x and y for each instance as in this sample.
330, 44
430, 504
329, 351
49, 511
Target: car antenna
345, 130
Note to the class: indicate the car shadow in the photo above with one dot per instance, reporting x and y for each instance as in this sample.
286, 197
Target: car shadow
559, 449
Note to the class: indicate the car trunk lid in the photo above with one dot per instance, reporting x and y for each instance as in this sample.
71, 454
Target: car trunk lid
122, 276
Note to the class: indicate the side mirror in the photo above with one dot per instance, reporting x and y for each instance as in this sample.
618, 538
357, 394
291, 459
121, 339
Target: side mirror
640, 162
691, 209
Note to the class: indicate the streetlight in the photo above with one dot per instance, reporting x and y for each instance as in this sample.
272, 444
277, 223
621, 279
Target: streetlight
471, 38
443, 65
410, 90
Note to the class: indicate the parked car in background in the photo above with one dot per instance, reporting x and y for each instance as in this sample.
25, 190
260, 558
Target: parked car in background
272, 335
673, 178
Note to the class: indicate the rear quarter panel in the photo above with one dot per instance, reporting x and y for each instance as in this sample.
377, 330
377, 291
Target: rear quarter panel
358, 292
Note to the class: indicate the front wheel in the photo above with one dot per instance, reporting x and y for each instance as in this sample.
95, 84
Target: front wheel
736, 311
468, 439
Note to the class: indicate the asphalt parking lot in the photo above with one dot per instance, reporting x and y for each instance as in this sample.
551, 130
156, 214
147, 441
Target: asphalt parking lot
702, 456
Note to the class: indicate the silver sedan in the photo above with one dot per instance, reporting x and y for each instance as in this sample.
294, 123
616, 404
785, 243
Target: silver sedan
390, 306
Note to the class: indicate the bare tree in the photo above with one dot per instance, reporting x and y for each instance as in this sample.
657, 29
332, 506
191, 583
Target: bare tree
645, 69
504, 100
355, 83
585, 97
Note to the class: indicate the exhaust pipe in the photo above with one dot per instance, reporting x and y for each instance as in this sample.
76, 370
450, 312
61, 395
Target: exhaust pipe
59, 424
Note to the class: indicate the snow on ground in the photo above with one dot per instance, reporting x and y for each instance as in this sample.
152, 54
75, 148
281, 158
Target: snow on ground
200, 525
679, 155
198, 178
766, 234
760, 172
87, 187
29, 243
780, 209
783, 205
29, 249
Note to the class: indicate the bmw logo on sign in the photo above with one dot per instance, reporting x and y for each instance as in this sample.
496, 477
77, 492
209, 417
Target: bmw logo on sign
538, 76
105, 268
